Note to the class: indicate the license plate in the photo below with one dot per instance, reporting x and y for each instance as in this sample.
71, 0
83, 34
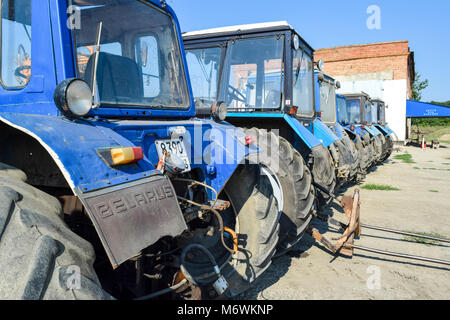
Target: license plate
175, 149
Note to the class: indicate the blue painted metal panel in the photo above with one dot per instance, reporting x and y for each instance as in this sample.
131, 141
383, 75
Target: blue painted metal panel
382, 129
416, 109
255, 115
372, 130
323, 133
306, 136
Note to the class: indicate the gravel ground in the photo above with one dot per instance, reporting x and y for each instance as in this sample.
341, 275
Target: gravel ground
421, 205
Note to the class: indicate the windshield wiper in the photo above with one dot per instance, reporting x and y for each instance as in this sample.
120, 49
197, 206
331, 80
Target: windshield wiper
95, 97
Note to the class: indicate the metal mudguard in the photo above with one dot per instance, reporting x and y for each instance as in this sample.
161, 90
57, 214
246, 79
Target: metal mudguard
131, 217
323, 133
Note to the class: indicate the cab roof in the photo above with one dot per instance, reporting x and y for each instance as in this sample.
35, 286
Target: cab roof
244, 29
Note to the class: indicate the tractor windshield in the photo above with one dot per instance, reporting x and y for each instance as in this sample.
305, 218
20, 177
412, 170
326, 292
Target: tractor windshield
382, 113
374, 111
303, 91
368, 112
140, 63
327, 102
342, 110
252, 74
354, 110
203, 71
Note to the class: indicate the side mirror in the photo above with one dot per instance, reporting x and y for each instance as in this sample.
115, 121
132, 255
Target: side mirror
320, 77
320, 64
338, 84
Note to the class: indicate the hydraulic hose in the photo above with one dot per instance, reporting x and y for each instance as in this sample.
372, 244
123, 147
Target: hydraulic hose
218, 216
207, 253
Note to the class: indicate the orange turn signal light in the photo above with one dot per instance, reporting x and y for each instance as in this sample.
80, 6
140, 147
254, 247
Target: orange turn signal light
126, 155
293, 111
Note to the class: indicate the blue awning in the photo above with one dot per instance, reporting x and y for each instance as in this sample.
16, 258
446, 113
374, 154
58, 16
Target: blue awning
416, 109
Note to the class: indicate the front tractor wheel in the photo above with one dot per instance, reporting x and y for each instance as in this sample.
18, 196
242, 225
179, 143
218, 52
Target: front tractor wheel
295, 184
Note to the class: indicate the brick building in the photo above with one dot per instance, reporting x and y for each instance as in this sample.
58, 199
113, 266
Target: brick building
383, 70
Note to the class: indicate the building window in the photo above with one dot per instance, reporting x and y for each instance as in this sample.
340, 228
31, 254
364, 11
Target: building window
15, 43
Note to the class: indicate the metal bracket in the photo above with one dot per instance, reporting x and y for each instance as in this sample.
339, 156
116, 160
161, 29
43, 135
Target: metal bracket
344, 244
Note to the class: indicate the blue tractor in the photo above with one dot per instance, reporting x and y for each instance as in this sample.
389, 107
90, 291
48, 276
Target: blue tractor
356, 133
359, 107
381, 124
264, 75
109, 185
326, 106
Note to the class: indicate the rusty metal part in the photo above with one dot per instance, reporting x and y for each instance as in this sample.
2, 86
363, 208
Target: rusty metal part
221, 205
218, 216
351, 206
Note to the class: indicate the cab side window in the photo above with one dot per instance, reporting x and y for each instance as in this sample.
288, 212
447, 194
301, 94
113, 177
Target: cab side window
15, 43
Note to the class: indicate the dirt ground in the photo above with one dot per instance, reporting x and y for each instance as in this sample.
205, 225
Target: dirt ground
310, 272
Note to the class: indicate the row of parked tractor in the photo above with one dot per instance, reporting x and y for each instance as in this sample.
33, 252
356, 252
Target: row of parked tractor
140, 162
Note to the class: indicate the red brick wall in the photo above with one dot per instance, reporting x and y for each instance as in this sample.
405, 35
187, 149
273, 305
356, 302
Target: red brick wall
370, 58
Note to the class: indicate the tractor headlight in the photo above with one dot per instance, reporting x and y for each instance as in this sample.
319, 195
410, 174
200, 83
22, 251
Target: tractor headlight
73, 97
219, 111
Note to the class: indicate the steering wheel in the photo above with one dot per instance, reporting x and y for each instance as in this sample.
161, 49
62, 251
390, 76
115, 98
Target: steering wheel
23, 71
236, 94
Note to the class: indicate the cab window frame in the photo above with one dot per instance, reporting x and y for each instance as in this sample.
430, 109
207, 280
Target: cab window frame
2, 82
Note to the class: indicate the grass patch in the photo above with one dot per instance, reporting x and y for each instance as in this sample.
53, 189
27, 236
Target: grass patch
435, 191
406, 158
446, 164
379, 187
425, 241
417, 168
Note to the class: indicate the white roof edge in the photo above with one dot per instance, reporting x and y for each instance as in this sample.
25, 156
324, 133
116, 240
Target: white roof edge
236, 28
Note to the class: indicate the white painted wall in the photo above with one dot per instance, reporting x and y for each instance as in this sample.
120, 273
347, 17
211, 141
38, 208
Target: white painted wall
392, 92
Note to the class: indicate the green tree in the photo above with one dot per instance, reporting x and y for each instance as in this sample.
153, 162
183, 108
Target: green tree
418, 86
446, 103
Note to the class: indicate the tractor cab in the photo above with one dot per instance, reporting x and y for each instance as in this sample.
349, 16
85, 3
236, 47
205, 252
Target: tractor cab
381, 123
264, 74
361, 118
96, 109
326, 102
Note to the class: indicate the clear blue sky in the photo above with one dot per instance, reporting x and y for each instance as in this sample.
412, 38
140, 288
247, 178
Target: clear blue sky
329, 23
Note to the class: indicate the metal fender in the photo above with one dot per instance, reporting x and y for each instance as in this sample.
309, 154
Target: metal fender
372, 130
304, 134
338, 130
382, 130
323, 133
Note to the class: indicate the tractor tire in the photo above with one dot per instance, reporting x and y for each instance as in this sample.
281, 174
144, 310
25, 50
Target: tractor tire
378, 146
296, 184
384, 145
40, 257
339, 154
254, 216
257, 224
390, 147
323, 172
364, 157
369, 144
353, 156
